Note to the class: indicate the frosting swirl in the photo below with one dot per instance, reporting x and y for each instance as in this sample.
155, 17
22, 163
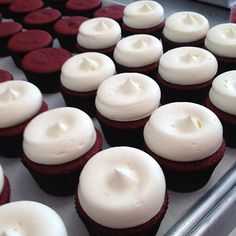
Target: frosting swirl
193, 132
138, 50
99, 33
19, 101
1, 179
223, 92
127, 97
187, 66
127, 183
85, 71
143, 14
58, 136
185, 26
221, 40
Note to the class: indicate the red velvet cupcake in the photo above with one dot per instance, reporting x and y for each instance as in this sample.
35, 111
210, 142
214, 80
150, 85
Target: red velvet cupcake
82, 7
7, 30
68, 140
20, 102
66, 30
5, 76
19, 45
4, 188
4, 5
42, 67
43, 19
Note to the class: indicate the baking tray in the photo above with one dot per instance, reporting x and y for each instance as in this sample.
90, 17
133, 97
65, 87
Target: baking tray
208, 211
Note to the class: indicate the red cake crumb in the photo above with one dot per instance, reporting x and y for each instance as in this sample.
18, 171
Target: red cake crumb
5, 76
9, 28
25, 6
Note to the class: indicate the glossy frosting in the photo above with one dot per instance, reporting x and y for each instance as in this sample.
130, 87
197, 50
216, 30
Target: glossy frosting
1, 179
99, 33
85, 71
143, 14
127, 97
28, 218
58, 136
223, 92
221, 40
192, 133
138, 50
185, 26
19, 101
187, 66
128, 187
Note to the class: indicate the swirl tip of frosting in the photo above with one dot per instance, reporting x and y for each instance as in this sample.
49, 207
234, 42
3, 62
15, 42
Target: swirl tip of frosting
189, 19
190, 57
230, 33
188, 124
101, 26
88, 64
145, 7
9, 94
10, 232
129, 86
57, 129
141, 43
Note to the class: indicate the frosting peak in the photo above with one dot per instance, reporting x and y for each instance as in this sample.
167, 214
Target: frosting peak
88, 64
191, 57
101, 26
189, 19
57, 129
145, 7
141, 43
10, 94
10, 232
130, 87
188, 124
230, 33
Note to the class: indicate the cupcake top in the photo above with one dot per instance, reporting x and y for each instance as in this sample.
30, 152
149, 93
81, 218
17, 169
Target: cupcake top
223, 92
99, 33
85, 71
82, 5
19, 101
183, 131
185, 27
1, 179
9, 28
58, 136
30, 218
25, 6
143, 14
5, 76
187, 66
221, 40
138, 50
128, 186
127, 97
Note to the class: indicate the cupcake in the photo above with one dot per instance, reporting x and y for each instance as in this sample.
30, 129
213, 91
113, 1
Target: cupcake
98, 35
81, 76
185, 74
124, 103
184, 28
222, 100
43, 19
42, 67
20, 101
30, 218
7, 30
143, 17
221, 41
82, 7
129, 193
186, 139
138, 53
4, 188
4, 5
22, 43
5, 76
56, 145
66, 30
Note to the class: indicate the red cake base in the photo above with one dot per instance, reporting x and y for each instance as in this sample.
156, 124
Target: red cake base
5, 76
225, 64
5, 194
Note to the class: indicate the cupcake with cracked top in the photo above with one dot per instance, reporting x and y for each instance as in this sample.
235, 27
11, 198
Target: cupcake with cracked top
4, 188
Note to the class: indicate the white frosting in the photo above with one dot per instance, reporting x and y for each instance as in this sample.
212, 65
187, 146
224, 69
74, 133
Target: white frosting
221, 40
128, 187
183, 131
58, 136
143, 14
138, 50
85, 71
1, 179
19, 101
223, 92
187, 66
99, 33
185, 27
27, 218
127, 97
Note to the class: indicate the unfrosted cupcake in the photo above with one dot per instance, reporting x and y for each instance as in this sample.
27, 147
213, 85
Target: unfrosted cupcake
184, 28
30, 218
186, 139
20, 101
124, 103
221, 41
143, 17
99, 34
56, 145
81, 76
128, 194
138, 53
185, 74
5, 76
4, 188
222, 101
